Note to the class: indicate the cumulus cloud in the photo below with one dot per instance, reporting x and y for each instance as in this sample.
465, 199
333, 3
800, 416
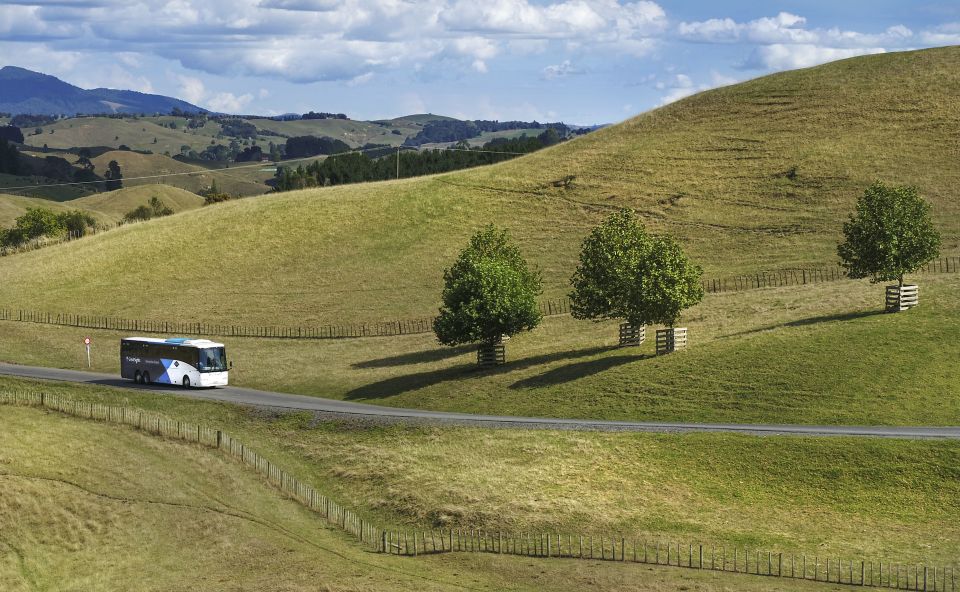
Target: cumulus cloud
680, 86
784, 42
228, 102
788, 57
317, 40
348, 40
192, 90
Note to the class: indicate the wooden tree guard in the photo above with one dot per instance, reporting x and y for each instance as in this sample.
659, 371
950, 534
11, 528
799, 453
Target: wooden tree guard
669, 340
491, 355
631, 336
900, 298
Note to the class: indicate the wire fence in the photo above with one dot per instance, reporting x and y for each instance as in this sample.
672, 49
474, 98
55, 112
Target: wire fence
552, 307
425, 541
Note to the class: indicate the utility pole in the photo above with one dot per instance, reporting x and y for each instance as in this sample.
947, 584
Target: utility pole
398, 162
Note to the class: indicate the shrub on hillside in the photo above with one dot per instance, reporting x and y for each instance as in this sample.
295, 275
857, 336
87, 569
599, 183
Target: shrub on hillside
39, 223
213, 195
154, 209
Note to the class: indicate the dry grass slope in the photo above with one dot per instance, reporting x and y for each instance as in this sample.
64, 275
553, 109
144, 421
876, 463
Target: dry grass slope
182, 517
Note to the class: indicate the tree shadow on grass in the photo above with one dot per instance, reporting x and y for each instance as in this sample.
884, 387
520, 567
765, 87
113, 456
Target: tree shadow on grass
420, 357
846, 316
397, 385
575, 371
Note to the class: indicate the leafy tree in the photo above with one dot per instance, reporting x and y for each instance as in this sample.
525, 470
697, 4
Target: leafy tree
624, 273
57, 168
9, 158
890, 235
113, 176
11, 133
488, 292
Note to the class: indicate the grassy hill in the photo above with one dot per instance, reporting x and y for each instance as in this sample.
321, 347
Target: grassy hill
139, 133
751, 176
134, 164
183, 516
14, 206
833, 497
109, 206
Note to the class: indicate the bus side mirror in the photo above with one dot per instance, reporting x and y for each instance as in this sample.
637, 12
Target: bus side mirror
231, 365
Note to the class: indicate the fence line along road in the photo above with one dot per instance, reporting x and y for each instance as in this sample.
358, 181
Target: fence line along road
377, 413
414, 541
561, 306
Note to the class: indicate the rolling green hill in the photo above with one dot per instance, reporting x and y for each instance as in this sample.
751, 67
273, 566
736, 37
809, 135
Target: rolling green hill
752, 176
134, 164
109, 206
139, 133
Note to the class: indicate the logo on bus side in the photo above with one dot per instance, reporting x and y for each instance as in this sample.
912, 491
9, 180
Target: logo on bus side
133, 360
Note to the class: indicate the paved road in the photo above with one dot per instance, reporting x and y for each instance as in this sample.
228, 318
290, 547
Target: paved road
364, 411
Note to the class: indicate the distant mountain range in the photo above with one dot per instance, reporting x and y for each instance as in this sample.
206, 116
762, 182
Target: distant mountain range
25, 91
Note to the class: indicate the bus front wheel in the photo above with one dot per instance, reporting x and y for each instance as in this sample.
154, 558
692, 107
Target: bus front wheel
186, 382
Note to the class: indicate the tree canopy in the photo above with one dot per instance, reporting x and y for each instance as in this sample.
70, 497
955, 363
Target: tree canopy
489, 292
624, 273
113, 176
890, 234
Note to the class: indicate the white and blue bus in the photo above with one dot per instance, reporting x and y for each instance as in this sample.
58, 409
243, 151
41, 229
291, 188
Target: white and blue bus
188, 362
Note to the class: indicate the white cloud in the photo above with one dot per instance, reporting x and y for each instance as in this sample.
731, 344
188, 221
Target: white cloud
787, 28
561, 70
361, 79
783, 28
946, 34
347, 40
192, 90
228, 102
788, 57
680, 86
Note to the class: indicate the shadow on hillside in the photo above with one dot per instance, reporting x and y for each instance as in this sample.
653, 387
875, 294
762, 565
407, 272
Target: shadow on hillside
847, 316
397, 385
572, 372
420, 357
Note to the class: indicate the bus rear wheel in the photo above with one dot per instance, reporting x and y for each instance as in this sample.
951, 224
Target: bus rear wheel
145, 377
137, 378
186, 382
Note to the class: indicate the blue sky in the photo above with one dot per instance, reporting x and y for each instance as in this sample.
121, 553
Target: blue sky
578, 61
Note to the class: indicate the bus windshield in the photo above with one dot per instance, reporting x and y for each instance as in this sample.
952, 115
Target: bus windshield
212, 359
